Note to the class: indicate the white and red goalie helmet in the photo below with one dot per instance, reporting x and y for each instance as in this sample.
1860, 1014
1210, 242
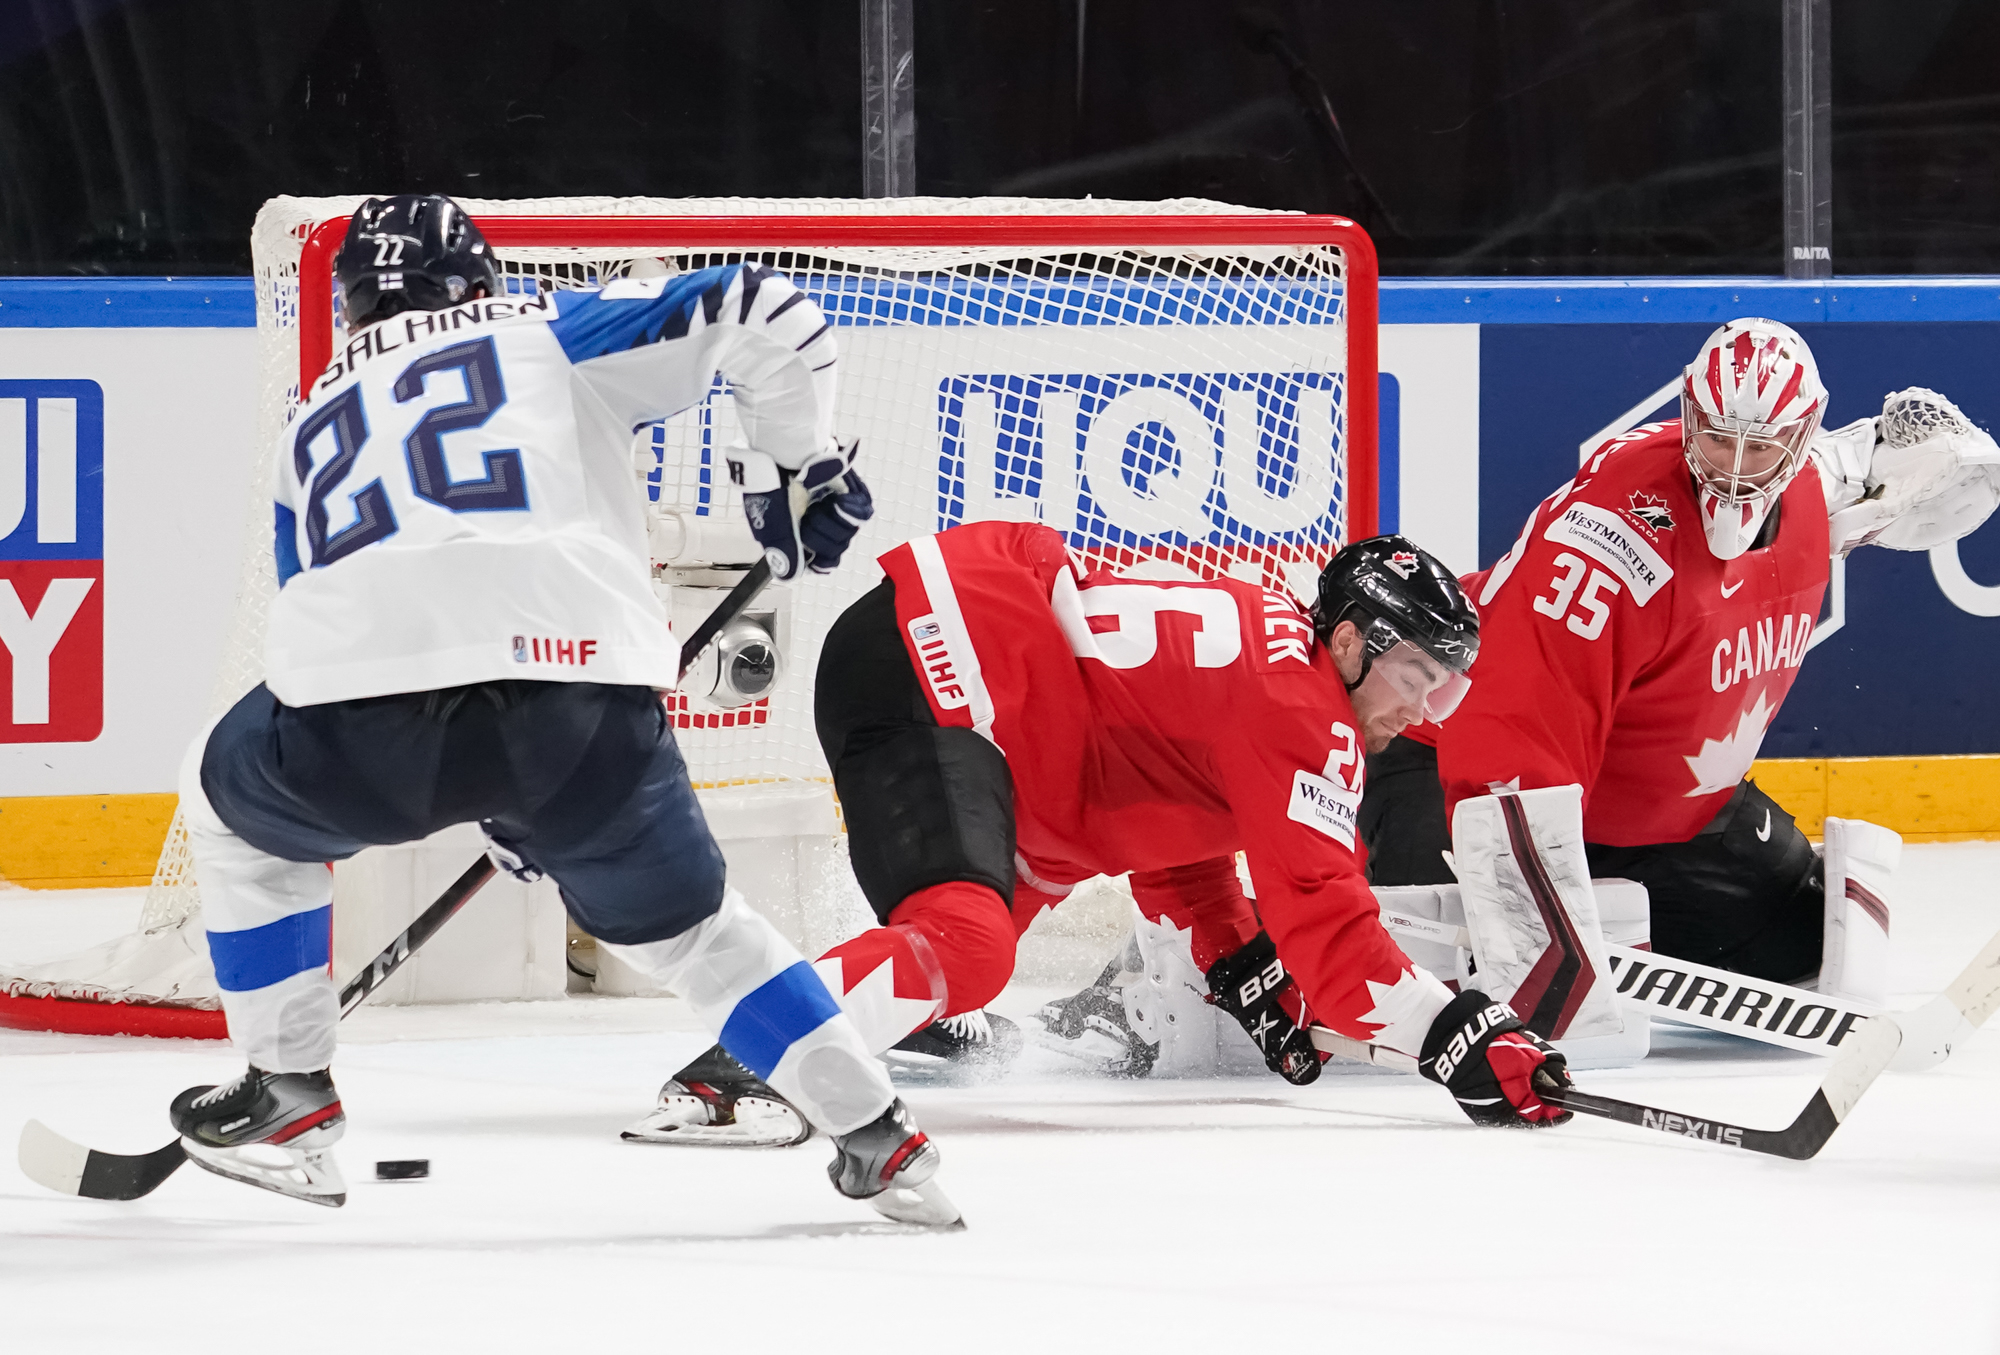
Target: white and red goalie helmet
1750, 405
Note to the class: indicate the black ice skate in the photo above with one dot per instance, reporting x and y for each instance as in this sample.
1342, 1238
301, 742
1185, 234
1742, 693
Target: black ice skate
975, 1042
1092, 1025
275, 1131
889, 1162
717, 1102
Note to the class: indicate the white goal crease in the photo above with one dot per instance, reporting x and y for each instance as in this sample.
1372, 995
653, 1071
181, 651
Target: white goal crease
1181, 408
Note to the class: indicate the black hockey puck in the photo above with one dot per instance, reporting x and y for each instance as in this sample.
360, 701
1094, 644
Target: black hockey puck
404, 1169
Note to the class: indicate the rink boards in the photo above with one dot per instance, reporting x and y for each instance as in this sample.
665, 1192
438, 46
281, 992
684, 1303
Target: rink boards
1487, 390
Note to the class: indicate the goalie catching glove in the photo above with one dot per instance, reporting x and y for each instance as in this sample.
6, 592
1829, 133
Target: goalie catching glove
1495, 1067
1253, 986
804, 516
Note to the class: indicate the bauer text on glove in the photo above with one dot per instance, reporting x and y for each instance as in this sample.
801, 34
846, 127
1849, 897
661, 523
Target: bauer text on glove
1492, 1064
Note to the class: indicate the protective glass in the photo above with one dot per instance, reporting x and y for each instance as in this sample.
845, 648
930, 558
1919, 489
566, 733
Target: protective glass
1408, 676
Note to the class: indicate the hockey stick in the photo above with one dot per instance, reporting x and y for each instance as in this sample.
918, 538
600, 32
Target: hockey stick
1713, 999
49, 1159
1963, 1007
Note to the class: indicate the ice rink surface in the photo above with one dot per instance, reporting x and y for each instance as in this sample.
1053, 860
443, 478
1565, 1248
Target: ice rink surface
1360, 1214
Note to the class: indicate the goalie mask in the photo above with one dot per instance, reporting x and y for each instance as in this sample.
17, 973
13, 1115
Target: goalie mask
1750, 404
411, 252
1420, 632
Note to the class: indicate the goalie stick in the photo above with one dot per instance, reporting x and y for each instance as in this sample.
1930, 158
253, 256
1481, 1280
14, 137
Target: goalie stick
1963, 1007
49, 1159
1713, 999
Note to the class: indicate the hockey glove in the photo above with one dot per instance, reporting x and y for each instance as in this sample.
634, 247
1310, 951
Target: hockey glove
1496, 1067
1253, 986
507, 856
803, 518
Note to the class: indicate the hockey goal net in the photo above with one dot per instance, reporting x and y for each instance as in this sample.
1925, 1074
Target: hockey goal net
1183, 388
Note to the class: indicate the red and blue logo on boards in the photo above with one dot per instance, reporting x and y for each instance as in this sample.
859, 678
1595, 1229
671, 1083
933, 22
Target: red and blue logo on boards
51, 561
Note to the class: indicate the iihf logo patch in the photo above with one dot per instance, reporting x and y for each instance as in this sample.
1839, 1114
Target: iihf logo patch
1404, 563
1651, 511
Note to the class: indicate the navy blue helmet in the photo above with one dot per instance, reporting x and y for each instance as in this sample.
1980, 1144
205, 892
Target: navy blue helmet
414, 251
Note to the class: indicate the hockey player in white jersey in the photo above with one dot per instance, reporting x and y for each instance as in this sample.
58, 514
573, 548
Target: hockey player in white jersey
465, 631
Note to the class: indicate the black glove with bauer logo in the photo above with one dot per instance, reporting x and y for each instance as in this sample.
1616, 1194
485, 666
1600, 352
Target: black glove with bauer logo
1253, 986
1496, 1067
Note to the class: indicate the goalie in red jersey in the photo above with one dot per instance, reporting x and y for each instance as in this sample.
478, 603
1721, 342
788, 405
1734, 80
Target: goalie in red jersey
1002, 724
1639, 639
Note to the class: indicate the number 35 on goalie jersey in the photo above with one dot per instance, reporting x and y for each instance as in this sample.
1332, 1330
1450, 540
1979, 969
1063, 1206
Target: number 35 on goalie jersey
455, 501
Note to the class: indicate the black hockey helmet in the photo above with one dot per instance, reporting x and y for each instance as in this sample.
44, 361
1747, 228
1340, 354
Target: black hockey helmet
414, 251
1393, 591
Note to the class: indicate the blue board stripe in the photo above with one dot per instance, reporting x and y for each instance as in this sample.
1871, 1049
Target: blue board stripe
230, 303
1661, 301
261, 956
128, 303
787, 1008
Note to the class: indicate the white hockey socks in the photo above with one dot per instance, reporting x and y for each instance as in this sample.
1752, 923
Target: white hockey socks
270, 934
1861, 860
1537, 942
771, 1012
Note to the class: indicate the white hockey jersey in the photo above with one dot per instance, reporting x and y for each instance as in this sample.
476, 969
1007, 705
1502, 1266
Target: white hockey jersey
456, 499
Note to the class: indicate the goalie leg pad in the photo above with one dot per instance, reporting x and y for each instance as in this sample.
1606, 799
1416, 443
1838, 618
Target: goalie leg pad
1860, 865
1167, 1006
1537, 942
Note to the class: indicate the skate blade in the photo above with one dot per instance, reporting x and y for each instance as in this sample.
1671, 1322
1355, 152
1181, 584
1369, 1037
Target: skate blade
758, 1124
308, 1174
924, 1206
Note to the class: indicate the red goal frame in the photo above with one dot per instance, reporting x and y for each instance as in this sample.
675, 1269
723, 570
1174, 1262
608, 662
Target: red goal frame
316, 332
1360, 276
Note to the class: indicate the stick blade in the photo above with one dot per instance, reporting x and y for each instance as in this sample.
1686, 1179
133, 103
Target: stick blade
1867, 1050
48, 1159
1976, 991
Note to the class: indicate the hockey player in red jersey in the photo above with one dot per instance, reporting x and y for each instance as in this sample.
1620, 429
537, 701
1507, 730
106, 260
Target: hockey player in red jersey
1002, 724
1640, 637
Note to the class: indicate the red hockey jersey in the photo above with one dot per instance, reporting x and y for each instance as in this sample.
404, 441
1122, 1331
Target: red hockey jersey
1616, 652
1151, 724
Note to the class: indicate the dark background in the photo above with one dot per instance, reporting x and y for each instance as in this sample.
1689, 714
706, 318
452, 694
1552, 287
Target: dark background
1469, 136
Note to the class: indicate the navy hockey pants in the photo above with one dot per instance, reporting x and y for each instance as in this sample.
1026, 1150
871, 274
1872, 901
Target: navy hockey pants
583, 780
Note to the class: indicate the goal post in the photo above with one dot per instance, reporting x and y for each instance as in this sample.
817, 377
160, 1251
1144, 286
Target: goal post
1182, 388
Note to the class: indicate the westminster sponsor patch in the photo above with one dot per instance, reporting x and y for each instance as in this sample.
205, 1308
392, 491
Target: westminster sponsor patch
1608, 538
1325, 807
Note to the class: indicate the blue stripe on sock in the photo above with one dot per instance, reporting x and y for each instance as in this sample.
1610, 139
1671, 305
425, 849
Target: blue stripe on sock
785, 1009
261, 956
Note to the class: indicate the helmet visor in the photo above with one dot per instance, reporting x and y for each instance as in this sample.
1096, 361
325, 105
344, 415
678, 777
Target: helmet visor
1406, 676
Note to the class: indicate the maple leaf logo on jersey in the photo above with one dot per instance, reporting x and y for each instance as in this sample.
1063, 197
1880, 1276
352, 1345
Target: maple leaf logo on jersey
1651, 510
1404, 563
1721, 764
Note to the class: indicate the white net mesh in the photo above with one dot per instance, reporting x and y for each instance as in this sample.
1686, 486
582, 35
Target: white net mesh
1182, 410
